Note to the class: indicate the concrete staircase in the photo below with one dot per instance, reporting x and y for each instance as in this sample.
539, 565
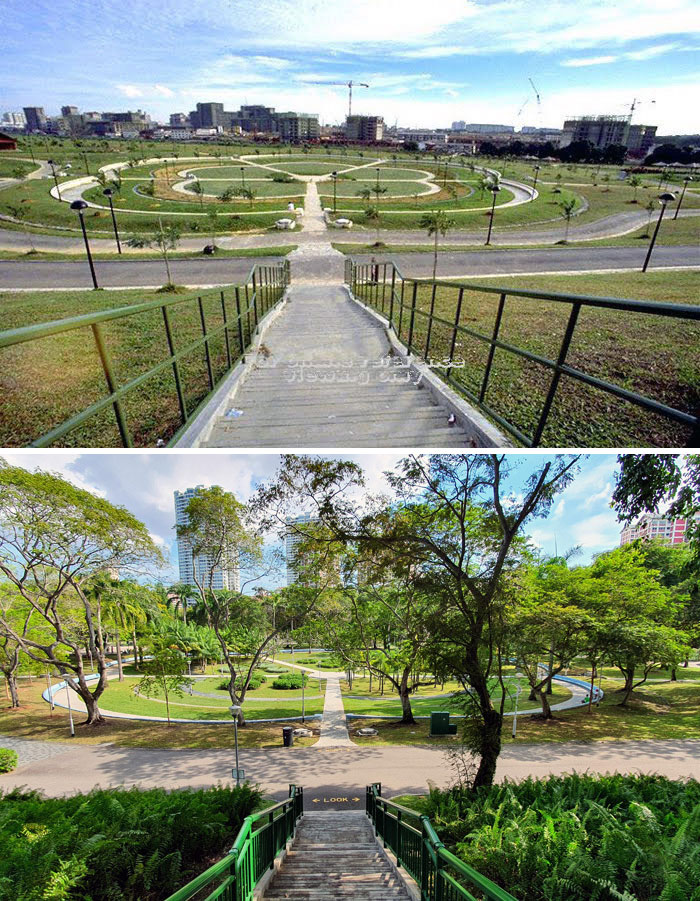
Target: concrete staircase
324, 380
335, 855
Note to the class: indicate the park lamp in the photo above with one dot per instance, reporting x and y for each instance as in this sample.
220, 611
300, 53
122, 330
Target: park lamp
685, 185
235, 710
537, 172
55, 177
334, 176
494, 190
79, 206
108, 192
243, 175
664, 199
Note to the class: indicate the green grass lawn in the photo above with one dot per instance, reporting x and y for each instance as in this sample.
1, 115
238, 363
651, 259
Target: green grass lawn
390, 704
34, 720
652, 356
46, 381
119, 697
15, 168
279, 250
661, 711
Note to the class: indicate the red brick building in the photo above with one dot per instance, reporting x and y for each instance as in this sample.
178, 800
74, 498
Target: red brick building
7, 143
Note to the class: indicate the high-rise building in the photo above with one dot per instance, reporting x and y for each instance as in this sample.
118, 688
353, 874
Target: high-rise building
365, 129
69, 110
223, 579
296, 127
14, 119
602, 131
178, 119
650, 526
36, 118
294, 536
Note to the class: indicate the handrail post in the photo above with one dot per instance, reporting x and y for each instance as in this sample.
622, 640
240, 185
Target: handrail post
255, 303
453, 343
383, 287
226, 335
413, 316
492, 348
430, 323
403, 287
391, 299
176, 366
207, 354
249, 331
566, 341
240, 323
109, 378
399, 834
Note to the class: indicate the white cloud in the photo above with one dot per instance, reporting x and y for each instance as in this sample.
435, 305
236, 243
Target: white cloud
60, 462
599, 531
162, 91
589, 61
130, 90
431, 52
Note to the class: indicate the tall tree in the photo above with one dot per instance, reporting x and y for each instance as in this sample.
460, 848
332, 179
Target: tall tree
54, 538
456, 517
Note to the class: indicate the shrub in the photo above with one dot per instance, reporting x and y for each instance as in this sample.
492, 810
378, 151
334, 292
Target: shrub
115, 844
288, 681
285, 179
8, 760
256, 680
578, 837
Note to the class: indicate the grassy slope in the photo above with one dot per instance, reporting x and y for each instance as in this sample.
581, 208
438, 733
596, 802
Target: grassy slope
46, 381
652, 356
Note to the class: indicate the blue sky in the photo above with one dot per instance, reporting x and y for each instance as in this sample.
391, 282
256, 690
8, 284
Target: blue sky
144, 483
426, 63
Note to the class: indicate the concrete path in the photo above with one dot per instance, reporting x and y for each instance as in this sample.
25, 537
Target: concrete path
334, 732
313, 263
336, 772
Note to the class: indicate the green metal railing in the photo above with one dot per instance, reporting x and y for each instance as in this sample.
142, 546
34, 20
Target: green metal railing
439, 874
382, 287
220, 328
260, 839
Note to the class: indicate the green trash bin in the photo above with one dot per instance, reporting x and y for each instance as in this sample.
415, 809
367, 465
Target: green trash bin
439, 722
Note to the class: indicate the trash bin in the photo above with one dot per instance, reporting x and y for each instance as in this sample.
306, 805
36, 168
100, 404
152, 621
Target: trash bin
209, 249
439, 722
287, 736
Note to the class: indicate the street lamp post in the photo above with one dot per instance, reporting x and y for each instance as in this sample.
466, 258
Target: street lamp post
377, 176
303, 707
64, 676
335, 189
537, 172
108, 192
665, 199
518, 689
48, 681
685, 185
235, 710
494, 190
79, 206
87, 167
243, 176
55, 178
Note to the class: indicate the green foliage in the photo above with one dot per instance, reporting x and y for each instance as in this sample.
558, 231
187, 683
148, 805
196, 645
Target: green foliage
289, 681
114, 844
256, 680
579, 837
8, 760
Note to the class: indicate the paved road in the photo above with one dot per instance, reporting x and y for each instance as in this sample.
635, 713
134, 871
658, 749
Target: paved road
16, 274
336, 772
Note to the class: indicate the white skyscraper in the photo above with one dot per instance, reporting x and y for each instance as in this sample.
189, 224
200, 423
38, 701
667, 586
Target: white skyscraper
229, 579
293, 537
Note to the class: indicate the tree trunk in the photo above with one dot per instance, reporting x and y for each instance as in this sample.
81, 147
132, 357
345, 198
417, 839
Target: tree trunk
544, 701
94, 717
406, 713
11, 684
120, 665
674, 675
489, 748
628, 686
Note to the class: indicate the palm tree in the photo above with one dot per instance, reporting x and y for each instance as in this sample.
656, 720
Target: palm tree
437, 222
179, 595
567, 208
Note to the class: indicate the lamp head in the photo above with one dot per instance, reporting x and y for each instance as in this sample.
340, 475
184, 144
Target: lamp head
108, 192
78, 205
666, 197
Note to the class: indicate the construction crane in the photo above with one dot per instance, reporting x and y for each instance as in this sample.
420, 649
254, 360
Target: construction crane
633, 106
346, 84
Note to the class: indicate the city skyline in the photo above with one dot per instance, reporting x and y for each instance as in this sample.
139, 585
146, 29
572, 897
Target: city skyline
144, 484
468, 61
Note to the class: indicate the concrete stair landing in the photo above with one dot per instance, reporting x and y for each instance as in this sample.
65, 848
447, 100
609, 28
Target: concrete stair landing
335, 855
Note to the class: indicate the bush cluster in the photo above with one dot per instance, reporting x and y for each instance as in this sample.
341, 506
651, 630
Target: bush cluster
115, 845
579, 837
8, 760
289, 681
256, 680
